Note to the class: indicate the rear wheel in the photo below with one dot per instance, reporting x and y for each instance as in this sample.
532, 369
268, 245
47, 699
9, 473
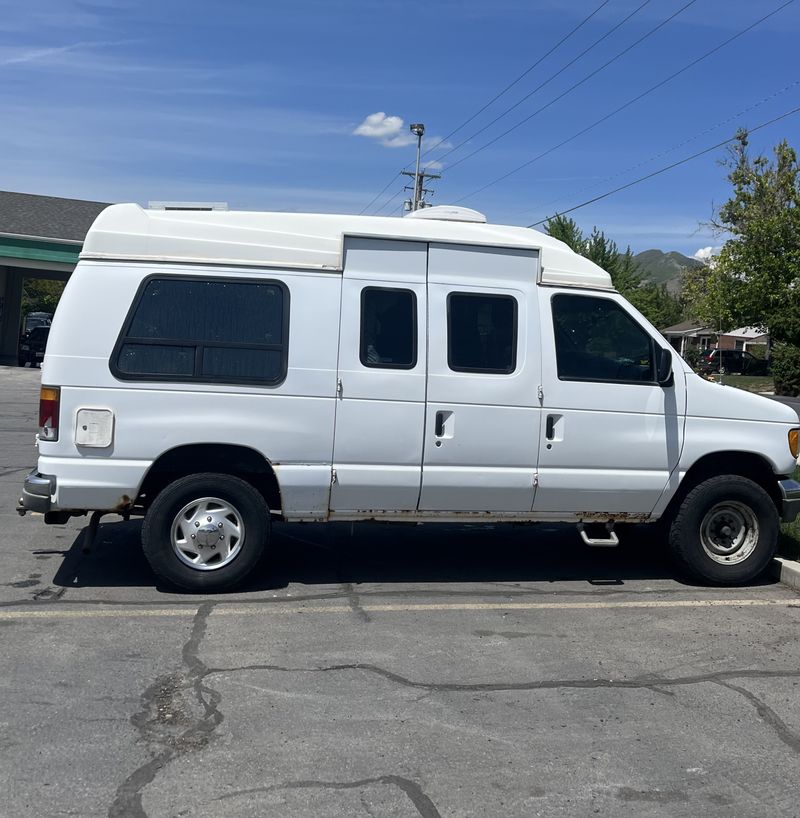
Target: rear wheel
205, 532
725, 531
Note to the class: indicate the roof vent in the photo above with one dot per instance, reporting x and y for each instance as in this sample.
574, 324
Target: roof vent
448, 213
187, 206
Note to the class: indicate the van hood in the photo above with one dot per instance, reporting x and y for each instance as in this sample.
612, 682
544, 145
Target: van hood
711, 400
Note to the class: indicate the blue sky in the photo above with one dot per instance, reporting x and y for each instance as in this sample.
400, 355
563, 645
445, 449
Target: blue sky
265, 105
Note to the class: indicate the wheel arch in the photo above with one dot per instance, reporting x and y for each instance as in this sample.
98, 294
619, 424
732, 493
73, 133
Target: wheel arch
225, 458
753, 466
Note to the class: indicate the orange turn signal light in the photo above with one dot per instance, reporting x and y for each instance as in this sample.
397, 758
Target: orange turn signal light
794, 448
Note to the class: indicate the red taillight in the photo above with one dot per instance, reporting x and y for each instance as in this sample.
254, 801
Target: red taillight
49, 399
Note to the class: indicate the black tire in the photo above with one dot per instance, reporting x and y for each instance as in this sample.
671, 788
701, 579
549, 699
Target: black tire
158, 524
703, 516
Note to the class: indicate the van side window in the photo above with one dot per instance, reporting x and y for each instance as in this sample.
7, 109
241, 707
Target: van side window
596, 340
388, 328
481, 333
206, 330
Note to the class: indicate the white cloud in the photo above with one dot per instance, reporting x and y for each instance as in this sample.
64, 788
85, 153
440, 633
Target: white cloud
19, 55
432, 165
390, 131
706, 253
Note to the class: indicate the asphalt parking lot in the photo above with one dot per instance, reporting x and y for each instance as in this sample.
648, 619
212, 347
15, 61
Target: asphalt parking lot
384, 671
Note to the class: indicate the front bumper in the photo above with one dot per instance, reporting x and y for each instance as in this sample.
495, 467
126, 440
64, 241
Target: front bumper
37, 491
790, 503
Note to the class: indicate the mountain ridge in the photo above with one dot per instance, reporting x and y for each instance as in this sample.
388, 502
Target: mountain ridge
660, 267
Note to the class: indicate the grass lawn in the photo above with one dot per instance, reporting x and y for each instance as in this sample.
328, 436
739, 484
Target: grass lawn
752, 383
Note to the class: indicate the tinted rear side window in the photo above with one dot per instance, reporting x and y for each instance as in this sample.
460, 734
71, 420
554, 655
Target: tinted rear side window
596, 340
211, 330
481, 333
388, 328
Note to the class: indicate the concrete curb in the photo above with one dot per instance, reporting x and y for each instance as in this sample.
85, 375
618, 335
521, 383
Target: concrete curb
787, 572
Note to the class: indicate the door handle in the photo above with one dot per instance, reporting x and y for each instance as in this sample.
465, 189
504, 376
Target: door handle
550, 430
439, 429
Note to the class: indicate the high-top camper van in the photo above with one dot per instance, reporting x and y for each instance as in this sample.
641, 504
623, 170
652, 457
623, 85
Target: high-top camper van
214, 370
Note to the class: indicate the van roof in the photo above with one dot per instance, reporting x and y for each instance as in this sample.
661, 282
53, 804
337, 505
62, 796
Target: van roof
128, 232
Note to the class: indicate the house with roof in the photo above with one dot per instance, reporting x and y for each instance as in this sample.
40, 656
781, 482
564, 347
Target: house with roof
691, 334
743, 338
688, 334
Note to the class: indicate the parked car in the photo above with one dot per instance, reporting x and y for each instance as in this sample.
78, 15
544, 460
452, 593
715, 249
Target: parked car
36, 319
30, 322
31, 350
244, 367
733, 362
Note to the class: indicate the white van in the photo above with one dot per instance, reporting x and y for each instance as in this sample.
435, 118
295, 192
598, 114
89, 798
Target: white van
210, 369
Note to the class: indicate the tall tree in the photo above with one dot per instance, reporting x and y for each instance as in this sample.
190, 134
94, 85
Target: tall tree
660, 307
603, 252
627, 274
565, 229
41, 295
656, 302
754, 280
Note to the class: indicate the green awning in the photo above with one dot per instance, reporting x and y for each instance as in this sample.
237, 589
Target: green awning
33, 250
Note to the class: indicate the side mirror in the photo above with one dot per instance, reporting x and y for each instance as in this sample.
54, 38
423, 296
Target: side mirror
663, 366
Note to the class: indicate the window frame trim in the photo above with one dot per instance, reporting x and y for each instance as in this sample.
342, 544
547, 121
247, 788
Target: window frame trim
515, 331
200, 346
415, 348
616, 381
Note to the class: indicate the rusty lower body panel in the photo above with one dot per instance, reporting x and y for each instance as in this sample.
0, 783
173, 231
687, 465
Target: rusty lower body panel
488, 516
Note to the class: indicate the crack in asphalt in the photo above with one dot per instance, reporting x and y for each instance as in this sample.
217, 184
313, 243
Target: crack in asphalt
401, 594
422, 802
768, 716
355, 604
543, 684
49, 594
165, 722
654, 683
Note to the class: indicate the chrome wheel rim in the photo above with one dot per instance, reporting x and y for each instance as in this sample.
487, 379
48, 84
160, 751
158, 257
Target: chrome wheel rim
207, 534
729, 532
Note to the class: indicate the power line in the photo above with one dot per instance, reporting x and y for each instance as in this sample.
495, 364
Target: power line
380, 193
490, 102
380, 210
519, 78
663, 153
626, 104
665, 169
572, 87
552, 77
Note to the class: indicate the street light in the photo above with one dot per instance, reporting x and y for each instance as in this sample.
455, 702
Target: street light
418, 129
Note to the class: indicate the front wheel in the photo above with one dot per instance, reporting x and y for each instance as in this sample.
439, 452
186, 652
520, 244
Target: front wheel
205, 532
725, 530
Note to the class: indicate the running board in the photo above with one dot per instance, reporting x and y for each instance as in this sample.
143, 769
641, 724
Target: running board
612, 541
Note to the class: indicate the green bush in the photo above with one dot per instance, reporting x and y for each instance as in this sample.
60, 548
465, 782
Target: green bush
786, 369
692, 356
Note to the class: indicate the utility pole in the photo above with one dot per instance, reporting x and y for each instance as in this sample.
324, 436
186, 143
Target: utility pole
418, 199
